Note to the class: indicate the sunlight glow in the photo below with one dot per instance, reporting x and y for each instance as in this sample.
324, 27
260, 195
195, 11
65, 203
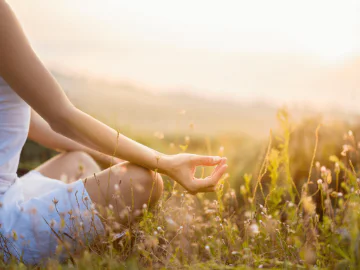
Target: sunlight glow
277, 50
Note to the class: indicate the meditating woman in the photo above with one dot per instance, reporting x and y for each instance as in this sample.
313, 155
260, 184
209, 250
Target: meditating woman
39, 213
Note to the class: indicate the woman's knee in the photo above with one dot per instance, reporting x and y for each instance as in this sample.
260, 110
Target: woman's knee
149, 181
146, 185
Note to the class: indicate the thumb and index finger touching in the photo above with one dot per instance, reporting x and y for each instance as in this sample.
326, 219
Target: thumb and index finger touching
210, 181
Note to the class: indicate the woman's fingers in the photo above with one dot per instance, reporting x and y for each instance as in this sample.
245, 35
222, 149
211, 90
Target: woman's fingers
205, 160
222, 162
210, 181
218, 174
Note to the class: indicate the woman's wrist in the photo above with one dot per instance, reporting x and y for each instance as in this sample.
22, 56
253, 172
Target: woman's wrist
164, 164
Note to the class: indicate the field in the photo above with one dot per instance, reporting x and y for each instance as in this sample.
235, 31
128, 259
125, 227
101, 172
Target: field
290, 199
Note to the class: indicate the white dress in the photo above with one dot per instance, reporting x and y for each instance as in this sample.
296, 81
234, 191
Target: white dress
39, 217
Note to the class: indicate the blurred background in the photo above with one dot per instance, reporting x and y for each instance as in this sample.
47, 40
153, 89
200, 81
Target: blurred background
210, 75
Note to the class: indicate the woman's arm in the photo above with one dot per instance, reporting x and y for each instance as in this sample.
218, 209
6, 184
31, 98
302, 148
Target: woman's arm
26, 74
41, 132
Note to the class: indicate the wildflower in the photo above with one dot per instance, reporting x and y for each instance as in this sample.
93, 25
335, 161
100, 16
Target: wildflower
234, 252
55, 201
340, 194
144, 206
317, 164
346, 148
111, 206
137, 213
52, 223
159, 228
155, 232
207, 247
320, 181
254, 229
323, 169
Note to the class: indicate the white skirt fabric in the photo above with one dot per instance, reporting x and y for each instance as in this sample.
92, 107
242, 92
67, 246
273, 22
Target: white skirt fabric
42, 218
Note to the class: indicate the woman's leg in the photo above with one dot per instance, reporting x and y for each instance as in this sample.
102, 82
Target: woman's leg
69, 166
125, 188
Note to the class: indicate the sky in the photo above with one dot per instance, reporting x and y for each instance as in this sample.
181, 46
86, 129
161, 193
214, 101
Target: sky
279, 50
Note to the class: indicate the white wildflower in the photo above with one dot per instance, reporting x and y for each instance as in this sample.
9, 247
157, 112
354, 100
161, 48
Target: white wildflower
254, 229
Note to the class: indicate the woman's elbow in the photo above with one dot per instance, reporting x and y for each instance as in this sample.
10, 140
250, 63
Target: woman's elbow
60, 121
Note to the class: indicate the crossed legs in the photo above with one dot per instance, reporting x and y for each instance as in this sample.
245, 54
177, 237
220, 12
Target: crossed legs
123, 186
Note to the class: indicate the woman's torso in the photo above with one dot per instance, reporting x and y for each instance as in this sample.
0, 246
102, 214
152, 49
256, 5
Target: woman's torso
14, 128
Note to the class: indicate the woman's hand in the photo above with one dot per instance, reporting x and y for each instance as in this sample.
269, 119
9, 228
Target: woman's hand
181, 168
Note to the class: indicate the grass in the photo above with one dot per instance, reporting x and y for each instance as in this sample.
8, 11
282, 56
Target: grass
290, 203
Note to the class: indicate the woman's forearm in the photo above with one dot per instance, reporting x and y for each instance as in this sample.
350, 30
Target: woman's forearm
90, 132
